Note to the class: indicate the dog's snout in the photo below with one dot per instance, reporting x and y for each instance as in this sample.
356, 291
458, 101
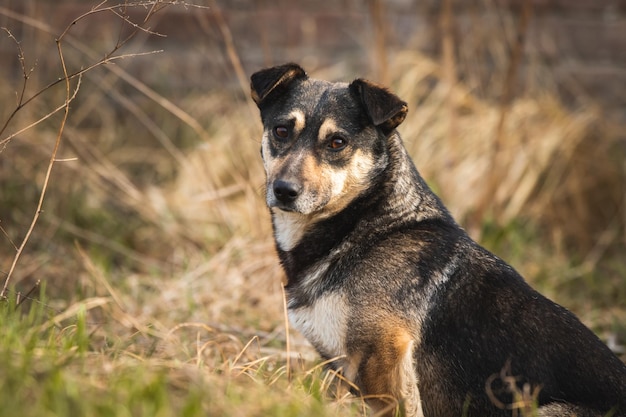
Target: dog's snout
286, 191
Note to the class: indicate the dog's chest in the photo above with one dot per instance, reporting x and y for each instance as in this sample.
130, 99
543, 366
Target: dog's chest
323, 323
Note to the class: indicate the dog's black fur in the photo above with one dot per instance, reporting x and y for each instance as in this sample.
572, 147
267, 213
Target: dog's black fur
381, 277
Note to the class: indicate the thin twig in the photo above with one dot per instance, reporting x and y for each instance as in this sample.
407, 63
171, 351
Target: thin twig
7, 236
22, 298
25, 75
21, 57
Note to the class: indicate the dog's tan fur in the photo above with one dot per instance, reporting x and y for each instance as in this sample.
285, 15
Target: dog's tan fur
388, 373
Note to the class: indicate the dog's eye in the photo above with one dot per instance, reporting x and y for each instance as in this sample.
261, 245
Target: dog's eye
337, 143
281, 132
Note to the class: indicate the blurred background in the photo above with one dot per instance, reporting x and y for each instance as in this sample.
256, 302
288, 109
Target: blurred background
517, 120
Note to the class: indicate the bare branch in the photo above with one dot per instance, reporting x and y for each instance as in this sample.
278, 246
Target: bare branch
70, 94
4, 142
7, 236
68, 99
108, 58
22, 59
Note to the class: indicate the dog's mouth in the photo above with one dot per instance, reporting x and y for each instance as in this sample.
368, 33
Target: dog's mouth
284, 207
275, 204
293, 207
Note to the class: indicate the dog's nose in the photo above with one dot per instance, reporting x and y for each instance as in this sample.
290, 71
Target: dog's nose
285, 191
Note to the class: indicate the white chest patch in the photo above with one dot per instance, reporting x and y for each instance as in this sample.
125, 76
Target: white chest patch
289, 228
324, 323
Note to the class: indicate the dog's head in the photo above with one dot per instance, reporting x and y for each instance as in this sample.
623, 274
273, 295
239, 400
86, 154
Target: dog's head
323, 143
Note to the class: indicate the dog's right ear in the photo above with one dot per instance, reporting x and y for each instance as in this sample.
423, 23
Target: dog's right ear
274, 81
385, 109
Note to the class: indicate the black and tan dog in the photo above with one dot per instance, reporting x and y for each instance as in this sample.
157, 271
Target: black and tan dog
381, 277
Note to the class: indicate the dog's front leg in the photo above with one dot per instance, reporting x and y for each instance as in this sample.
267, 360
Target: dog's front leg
387, 376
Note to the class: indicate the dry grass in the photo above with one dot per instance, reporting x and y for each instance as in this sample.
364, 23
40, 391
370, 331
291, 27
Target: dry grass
154, 227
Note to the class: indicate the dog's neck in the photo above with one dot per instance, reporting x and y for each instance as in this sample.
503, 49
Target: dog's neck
405, 184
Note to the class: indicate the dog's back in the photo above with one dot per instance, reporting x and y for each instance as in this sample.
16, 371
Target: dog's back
382, 279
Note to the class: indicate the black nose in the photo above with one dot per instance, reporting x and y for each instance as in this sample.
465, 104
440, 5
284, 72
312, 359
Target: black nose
285, 191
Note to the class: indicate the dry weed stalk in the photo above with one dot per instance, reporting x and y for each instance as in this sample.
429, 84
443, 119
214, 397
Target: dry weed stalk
119, 10
287, 341
508, 93
66, 106
379, 56
449, 69
233, 55
524, 402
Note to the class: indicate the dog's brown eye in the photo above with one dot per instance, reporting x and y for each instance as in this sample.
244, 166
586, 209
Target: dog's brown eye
337, 143
281, 132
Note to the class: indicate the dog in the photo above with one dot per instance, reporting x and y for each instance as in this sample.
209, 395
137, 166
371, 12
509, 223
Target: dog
389, 288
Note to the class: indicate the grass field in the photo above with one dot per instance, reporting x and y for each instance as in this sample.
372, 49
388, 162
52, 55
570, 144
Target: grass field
136, 249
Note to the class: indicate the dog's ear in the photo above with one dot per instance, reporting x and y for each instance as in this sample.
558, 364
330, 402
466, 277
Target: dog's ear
384, 108
274, 81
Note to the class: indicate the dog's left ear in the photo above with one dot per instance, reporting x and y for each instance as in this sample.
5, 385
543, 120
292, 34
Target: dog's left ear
384, 108
272, 81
